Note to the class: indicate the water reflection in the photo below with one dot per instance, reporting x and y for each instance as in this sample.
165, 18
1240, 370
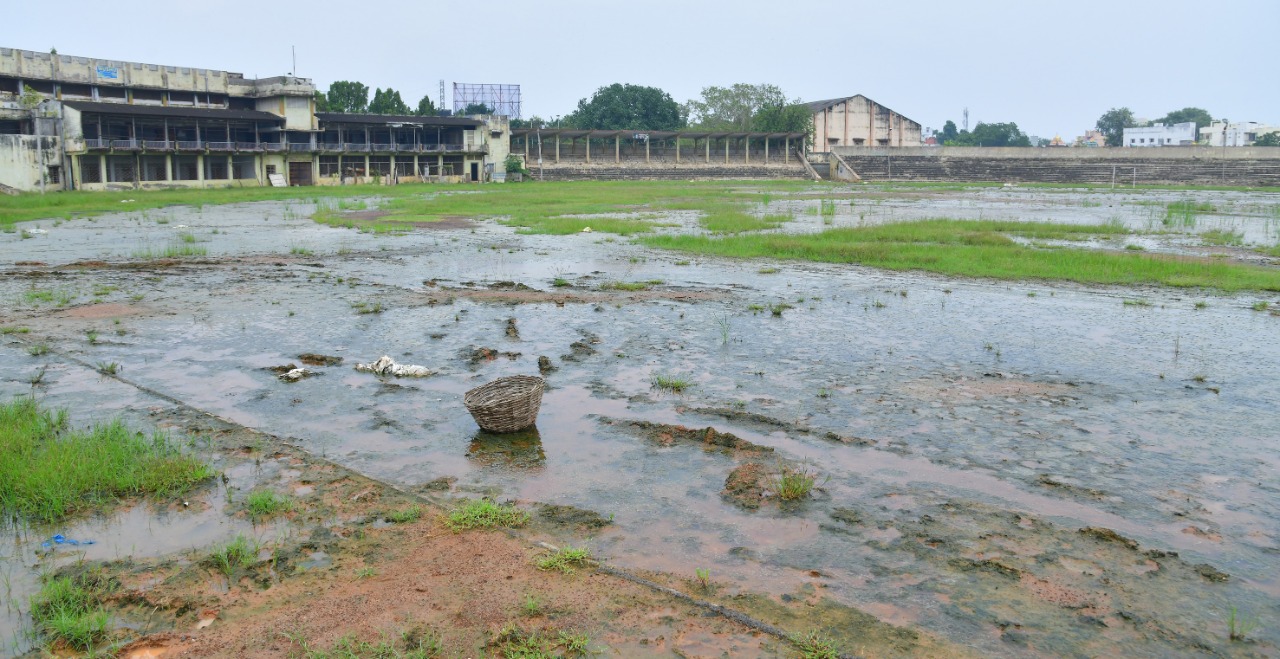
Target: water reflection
515, 450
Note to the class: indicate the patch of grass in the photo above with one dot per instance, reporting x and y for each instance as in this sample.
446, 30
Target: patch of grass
770, 270
795, 483
1136, 302
363, 307
299, 250
779, 307
483, 513
174, 251
268, 503
1222, 237
1135, 248
671, 382
1183, 213
108, 368
91, 336
704, 577
560, 282
5, 331
186, 237
532, 606
69, 610
815, 646
981, 248
404, 515
59, 297
630, 285
38, 349
1260, 305
49, 471
366, 573
236, 555
733, 220
1201, 305
565, 560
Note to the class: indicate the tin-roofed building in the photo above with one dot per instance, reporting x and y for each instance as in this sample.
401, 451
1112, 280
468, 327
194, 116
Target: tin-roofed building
860, 121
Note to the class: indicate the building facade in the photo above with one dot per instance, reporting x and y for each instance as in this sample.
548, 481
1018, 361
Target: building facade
860, 121
1182, 134
80, 123
1239, 133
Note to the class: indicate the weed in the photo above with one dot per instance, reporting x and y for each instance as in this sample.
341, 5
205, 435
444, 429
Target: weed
827, 208
417, 642
573, 643
824, 393
1260, 305
723, 323
238, 554
1222, 237
768, 271
1135, 248
59, 297
815, 646
48, 470
108, 368
560, 282
38, 349
187, 237
405, 515
483, 513
565, 559
363, 307
629, 285
671, 382
1239, 626
777, 308
682, 262
69, 610
92, 336
37, 377
704, 577
1201, 305
756, 308
14, 330
532, 606
299, 250
794, 483
268, 503
1199, 378
1136, 303
366, 573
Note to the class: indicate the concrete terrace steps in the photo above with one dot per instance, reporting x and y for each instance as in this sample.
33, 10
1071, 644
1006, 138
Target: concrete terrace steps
669, 173
975, 169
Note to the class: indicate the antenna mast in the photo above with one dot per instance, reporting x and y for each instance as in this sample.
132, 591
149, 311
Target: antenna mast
440, 107
966, 118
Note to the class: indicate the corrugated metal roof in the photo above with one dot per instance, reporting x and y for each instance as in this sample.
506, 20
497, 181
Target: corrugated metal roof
171, 111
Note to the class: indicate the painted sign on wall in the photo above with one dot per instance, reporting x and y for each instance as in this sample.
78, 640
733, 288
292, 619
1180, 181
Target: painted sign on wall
109, 72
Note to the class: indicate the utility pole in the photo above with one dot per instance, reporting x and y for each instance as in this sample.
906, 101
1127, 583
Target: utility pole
966, 118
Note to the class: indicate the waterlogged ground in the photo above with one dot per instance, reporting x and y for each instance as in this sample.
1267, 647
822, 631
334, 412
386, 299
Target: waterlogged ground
1021, 469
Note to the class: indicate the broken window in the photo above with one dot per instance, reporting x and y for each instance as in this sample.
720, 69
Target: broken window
90, 169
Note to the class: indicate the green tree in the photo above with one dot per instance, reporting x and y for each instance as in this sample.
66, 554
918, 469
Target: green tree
734, 107
783, 118
426, 107
627, 107
1198, 115
1112, 124
948, 133
348, 96
387, 101
477, 108
1005, 134
322, 102
1268, 139
532, 122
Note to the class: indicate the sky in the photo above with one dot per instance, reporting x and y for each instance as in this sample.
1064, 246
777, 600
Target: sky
1051, 66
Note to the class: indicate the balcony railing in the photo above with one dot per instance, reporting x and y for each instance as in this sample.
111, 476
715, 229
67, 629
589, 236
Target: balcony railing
97, 143
248, 146
157, 145
128, 145
300, 147
272, 146
221, 146
184, 145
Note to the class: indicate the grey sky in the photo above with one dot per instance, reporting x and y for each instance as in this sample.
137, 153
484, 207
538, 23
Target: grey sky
1053, 67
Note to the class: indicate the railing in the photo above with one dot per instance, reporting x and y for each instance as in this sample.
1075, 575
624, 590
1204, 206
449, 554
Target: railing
272, 146
124, 144
157, 145
357, 148
329, 147
382, 147
221, 146
97, 143
300, 147
190, 146
248, 146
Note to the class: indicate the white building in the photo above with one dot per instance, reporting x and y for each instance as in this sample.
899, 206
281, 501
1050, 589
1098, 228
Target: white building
1182, 134
1239, 133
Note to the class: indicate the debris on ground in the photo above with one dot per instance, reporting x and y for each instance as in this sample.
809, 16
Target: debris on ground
479, 354
293, 375
745, 485
512, 332
315, 359
388, 366
544, 365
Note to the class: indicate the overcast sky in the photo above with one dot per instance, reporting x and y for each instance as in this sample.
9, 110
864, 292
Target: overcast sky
1051, 66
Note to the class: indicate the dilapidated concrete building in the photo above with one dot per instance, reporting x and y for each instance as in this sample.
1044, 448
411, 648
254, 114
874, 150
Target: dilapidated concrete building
81, 123
860, 121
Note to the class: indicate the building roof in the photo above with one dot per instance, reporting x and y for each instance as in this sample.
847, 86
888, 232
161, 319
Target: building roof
171, 111
343, 117
815, 106
653, 134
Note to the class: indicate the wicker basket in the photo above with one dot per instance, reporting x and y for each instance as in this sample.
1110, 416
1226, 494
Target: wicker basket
506, 404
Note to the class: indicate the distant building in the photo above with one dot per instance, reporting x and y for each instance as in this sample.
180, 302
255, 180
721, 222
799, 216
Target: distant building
1091, 138
1161, 135
1239, 133
860, 121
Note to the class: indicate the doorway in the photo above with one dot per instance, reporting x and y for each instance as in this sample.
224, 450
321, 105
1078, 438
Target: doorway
299, 173
475, 172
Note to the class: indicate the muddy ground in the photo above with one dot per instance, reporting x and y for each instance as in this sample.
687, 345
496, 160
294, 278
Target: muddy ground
1006, 468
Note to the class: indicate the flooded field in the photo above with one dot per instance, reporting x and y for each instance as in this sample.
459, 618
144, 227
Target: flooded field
1021, 468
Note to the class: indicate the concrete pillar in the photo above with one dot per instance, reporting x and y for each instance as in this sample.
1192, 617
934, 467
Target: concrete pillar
677, 149
587, 139
526, 148
746, 150
706, 142
440, 164
646, 150
786, 150
766, 150
417, 167
366, 158
726, 150
199, 165
617, 148
557, 148
168, 167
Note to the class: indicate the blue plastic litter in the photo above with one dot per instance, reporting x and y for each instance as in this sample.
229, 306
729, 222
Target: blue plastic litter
60, 539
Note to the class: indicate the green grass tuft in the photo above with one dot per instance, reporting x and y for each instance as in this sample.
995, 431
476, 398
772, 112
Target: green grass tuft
565, 560
483, 513
69, 610
671, 382
236, 555
49, 471
268, 503
404, 515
